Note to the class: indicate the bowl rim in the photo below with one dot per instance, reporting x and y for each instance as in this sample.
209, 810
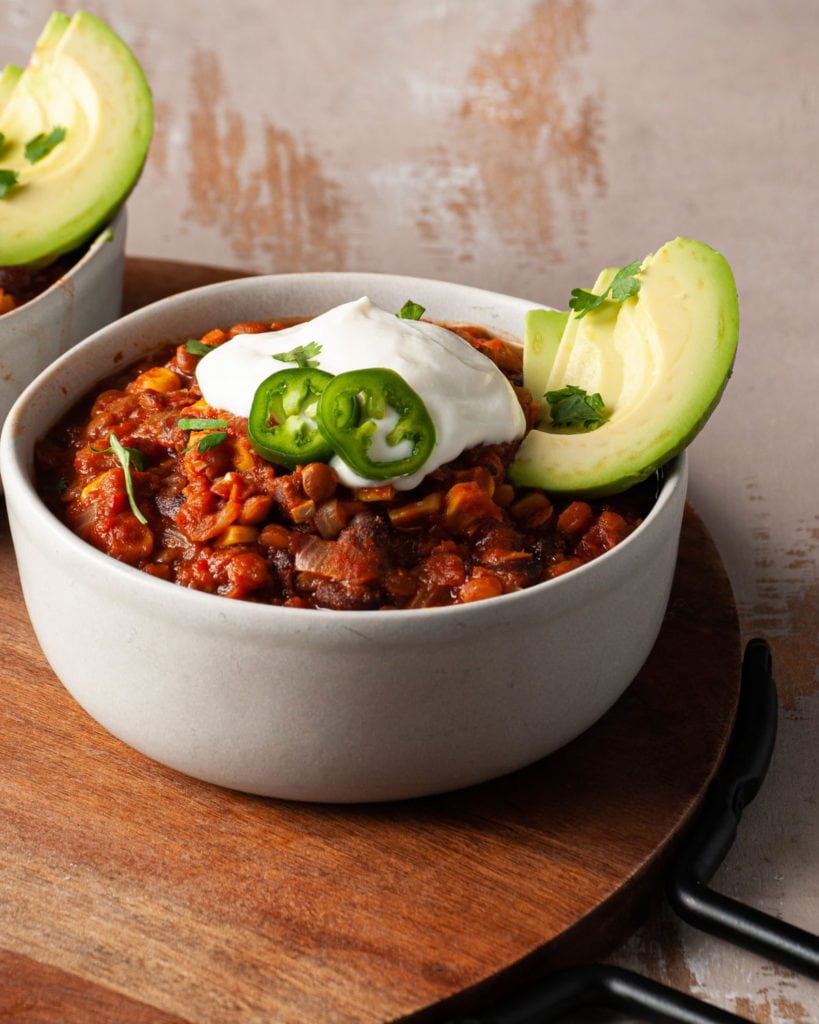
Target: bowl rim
106, 234
16, 453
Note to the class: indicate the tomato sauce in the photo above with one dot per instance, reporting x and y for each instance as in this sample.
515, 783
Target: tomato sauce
219, 518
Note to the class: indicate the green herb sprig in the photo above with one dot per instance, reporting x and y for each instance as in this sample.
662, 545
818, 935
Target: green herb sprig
8, 179
301, 355
624, 284
216, 426
42, 144
572, 406
35, 149
197, 348
410, 311
126, 457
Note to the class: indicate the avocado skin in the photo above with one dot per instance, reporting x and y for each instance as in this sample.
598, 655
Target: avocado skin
683, 326
83, 77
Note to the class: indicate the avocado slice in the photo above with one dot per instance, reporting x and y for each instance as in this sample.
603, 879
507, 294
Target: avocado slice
579, 339
660, 360
81, 77
9, 77
543, 329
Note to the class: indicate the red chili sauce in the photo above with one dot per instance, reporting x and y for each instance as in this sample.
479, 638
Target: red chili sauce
225, 521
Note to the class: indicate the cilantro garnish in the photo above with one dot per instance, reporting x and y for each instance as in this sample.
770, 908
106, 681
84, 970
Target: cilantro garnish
572, 406
623, 285
126, 456
42, 144
197, 348
410, 311
8, 179
200, 423
209, 441
36, 148
301, 355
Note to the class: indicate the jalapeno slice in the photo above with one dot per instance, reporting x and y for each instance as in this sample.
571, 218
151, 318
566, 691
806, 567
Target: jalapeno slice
282, 425
376, 423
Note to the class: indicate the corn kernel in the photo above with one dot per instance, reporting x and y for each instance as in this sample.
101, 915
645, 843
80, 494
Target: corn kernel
416, 512
198, 409
236, 535
383, 492
95, 484
242, 458
158, 378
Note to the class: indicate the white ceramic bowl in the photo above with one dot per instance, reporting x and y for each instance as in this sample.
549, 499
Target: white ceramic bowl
85, 298
314, 704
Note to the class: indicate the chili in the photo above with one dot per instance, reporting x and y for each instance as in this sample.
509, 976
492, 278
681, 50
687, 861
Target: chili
224, 519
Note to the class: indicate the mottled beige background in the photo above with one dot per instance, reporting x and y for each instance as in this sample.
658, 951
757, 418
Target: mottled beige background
521, 145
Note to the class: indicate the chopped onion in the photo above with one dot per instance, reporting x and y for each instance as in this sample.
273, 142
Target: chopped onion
316, 555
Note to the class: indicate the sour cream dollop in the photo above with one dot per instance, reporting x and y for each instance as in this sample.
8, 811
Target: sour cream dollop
468, 398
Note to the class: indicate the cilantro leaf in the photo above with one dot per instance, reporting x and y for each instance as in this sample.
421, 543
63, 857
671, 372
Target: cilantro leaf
624, 284
211, 440
583, 302
126, 456
301, 355
410, 311
8, 179
42, 144
200, 423
204, 444
197, 348
573, 406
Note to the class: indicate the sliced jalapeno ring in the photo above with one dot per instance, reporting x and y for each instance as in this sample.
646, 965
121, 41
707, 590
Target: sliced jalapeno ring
282, 425
376, 423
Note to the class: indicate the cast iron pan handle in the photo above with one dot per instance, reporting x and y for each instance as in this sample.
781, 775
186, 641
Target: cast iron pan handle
599, 986
715, 829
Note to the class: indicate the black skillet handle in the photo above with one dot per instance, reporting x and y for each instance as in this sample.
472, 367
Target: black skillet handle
715, 828
601, 987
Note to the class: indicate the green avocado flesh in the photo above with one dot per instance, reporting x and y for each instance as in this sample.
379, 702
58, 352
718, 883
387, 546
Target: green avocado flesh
660, 361
543, 331
9, 77
83, 78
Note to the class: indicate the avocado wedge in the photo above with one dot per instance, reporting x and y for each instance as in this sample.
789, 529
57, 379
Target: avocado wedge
660, 360
543, 330
83, 79
9, 77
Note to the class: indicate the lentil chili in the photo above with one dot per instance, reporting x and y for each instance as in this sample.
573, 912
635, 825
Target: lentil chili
220, 518
19, 285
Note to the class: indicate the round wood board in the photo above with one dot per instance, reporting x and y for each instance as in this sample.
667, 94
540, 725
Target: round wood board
133, 893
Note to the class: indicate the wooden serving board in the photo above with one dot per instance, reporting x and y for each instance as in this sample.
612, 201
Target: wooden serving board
130, 893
